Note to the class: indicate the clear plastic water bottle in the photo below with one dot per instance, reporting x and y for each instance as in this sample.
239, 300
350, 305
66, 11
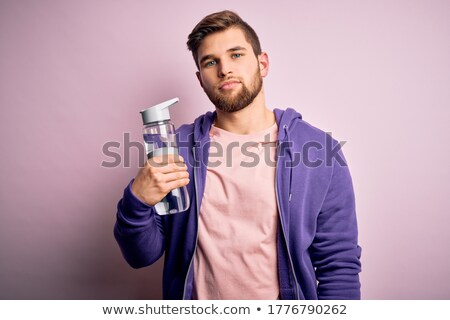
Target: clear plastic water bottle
160, 140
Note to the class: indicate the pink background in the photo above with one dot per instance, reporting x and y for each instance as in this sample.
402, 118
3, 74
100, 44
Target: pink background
75, 74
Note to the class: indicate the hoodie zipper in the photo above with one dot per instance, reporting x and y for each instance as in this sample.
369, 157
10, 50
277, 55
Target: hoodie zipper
196, 237
281, 219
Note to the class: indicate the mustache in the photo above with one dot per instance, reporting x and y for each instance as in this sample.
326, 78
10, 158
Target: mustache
228, 80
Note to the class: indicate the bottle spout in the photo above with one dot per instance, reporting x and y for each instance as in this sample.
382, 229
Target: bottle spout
159, 112
166, 104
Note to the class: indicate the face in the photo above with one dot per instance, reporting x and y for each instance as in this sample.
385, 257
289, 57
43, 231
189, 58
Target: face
229, 72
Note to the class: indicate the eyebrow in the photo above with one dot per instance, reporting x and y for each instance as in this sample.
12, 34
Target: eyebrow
209, 56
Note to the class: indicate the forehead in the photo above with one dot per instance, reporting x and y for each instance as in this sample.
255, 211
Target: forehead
220, 42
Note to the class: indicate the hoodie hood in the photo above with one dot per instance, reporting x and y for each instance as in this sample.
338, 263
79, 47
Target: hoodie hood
285, 119
202, 125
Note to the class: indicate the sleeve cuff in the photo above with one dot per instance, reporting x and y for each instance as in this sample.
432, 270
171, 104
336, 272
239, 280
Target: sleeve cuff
132, 206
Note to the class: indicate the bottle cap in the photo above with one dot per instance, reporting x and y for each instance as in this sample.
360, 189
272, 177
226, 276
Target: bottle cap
157, 113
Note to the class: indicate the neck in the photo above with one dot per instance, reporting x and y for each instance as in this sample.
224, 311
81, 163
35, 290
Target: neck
253, 118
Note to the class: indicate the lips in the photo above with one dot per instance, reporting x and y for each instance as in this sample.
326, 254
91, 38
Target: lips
227, 85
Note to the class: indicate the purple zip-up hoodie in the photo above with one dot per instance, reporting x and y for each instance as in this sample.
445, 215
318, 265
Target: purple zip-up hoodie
317, 250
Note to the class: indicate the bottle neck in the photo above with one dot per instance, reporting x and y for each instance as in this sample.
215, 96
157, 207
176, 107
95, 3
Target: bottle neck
159, 122
160, 127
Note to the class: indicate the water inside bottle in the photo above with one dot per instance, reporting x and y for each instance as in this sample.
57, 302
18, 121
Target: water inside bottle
176, 200
157, 141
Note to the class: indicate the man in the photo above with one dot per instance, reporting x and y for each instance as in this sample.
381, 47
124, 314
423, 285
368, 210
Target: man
262, 224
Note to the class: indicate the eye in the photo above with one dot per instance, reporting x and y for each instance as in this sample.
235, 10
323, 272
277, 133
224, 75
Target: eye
210, 63
237, 55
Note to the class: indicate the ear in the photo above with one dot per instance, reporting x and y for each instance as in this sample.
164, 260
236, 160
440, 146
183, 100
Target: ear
263, 61
199, 77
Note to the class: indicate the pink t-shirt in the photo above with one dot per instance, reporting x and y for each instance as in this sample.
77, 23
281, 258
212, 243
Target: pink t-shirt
236, 256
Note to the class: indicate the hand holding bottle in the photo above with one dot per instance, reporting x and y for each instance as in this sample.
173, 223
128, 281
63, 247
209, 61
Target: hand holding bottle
159, 176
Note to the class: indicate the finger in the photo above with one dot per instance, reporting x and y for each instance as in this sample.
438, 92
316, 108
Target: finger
173, 176
165, 168
165, 159
177, 184
173, 167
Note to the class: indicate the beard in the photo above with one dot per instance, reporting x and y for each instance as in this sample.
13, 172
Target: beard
232, 102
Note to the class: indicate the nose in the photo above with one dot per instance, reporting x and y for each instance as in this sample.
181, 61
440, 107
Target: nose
224, 69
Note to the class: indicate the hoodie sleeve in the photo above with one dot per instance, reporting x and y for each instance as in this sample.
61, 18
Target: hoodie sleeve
335, 252
138, 231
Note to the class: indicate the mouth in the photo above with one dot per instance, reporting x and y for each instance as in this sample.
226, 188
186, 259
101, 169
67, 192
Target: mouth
228, 85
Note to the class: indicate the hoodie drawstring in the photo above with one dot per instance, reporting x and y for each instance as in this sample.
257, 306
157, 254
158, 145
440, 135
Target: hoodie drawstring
286, 139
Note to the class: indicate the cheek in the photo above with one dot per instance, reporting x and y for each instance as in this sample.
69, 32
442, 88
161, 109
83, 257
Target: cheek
250, 71
208, 81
